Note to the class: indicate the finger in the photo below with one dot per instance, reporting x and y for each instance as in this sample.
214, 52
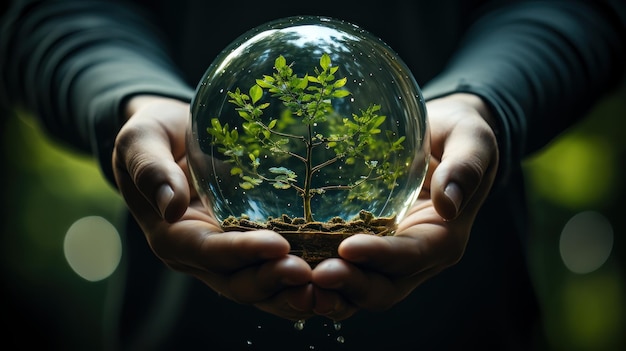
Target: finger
422, 241
143, 208
258, 283
288, 301
295, 303
332, 304
363, 288
470, 153
147, 149
196, 244
197, 240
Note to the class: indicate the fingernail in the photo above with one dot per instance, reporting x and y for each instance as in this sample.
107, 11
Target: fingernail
164, 196
453, 192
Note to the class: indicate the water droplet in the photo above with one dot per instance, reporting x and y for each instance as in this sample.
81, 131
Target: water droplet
337, 325
249, 342
341, 339
299, 324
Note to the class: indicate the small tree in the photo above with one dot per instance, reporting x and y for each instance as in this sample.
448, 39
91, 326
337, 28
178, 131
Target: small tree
309, 100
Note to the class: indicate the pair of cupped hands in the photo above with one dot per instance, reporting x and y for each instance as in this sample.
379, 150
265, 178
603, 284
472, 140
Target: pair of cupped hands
255, 267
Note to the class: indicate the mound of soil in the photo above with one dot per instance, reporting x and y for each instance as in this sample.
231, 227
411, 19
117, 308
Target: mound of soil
316, 241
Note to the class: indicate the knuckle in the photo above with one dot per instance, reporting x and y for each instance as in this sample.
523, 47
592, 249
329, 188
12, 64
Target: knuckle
455, 251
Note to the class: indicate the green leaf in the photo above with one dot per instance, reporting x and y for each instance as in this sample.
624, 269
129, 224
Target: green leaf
281, 185
303, 83
266, 82
246, 185
282, 170
399, 141
325, 61
216, 124
340, 93
280, 62
245, 115
235, 171
272, 124
377, 121
340, 82
253, 181
256, 92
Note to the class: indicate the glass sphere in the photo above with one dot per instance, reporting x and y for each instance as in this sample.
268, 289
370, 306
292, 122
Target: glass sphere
311, 118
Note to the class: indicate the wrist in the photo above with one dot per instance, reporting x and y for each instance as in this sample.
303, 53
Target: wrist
137, 102
478, 104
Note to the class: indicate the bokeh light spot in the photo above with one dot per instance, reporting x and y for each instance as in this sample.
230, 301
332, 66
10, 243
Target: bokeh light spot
563, 173
93, 248
592, 317
586, 242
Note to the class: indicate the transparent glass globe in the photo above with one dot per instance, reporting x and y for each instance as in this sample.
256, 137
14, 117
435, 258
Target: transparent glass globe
311, 118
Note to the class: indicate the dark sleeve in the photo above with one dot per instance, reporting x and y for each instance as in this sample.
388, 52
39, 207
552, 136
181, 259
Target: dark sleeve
541, 65
73, 63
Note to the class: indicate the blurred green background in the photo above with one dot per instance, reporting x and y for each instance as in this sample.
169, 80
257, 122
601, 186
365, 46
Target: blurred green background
577, 252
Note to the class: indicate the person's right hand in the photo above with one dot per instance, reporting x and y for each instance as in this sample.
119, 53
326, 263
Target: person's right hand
149, 163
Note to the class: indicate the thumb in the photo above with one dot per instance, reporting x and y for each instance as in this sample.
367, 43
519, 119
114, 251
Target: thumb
463, 178
148, 155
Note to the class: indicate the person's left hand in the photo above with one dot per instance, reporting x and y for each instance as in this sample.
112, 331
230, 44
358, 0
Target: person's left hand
375, 273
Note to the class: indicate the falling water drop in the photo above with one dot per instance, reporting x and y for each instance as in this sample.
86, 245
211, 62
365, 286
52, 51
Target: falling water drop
337, 325
341, 339
299, 324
